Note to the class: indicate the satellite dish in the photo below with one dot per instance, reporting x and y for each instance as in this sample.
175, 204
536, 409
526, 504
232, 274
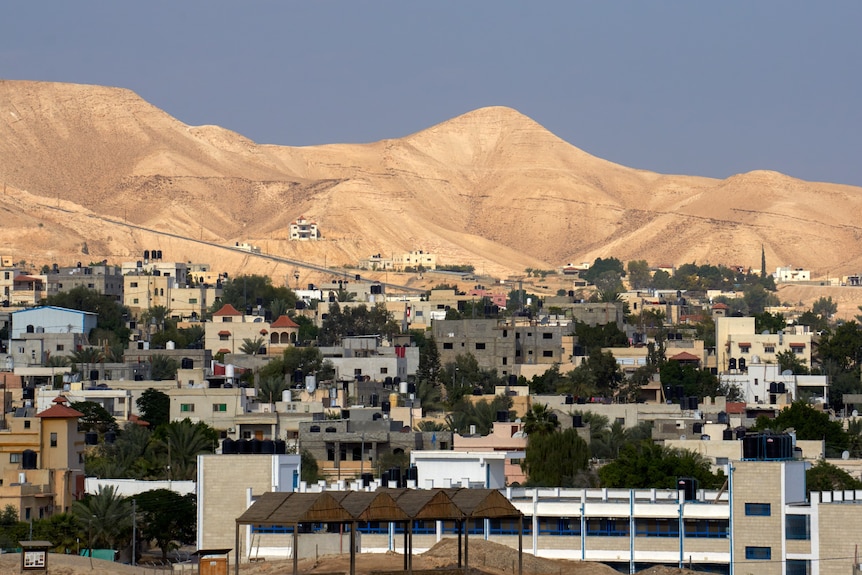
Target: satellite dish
845, 455
787, 372
766, 332
855, 413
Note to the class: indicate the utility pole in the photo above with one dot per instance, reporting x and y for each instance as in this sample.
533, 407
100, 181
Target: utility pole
134, 528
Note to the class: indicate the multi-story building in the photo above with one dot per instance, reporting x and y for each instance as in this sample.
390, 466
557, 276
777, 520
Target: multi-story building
500, 345
105, 279
766, 383
41, 332
217, 407
186, 300
789, 274
737, 345
40, 460
27, 290
230, 327
303, 230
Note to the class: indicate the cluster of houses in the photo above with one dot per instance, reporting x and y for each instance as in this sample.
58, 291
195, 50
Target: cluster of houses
368, 412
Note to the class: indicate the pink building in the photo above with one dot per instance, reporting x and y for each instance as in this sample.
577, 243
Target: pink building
505, 436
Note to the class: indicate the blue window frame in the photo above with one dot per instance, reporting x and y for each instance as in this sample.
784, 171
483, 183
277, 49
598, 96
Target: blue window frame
707, 528
758, 509
758, 553
560, 525
798, 567
657, 527
610, 527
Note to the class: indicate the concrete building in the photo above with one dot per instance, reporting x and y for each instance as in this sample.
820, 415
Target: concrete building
230, 327
41, 472
217, 407
186, 302
737, 345
765, 383
105, 279
304, 230
789, 274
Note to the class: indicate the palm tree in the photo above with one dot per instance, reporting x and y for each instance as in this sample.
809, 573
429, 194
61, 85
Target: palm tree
278, 307
156, 315
429, 396
251, 346
185, 441
85, 357
540, 420
194, 335
163, 367
270, 389
428, 425
107, 516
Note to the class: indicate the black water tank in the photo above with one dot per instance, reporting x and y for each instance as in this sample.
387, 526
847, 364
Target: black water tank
243, 446
385, 406
411, 388
750, 444
395, 475
375, 400
740, 432
688, 485
513, 379
280, 446
28, 393
722, 417
267, 446
187, 363
94, 374
255, 445
228, 446
345, 414
110, 437
581, 400
28, 459
477, 391
697, 428
727, 434
412, 473
367, 478
772, 446
577, 420
91, 438
679, 392
570, 400
502, 416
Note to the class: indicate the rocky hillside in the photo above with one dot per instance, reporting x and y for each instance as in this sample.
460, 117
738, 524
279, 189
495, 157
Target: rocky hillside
93, 173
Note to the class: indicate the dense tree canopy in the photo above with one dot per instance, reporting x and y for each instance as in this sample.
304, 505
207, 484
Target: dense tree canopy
647, 465
356, 320
112, 315
155, 407
809, 423
167, 518
555, 459
249, 291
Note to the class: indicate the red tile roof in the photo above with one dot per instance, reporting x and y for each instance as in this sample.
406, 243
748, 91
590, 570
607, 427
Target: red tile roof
224, 332
720, 306
60, 410
223, 350
734, 407
685, 356
284, 321
228, 309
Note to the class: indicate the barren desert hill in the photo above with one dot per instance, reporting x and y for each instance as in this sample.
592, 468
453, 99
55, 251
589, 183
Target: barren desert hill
83, 164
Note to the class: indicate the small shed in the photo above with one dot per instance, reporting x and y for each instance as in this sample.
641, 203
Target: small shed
213, 561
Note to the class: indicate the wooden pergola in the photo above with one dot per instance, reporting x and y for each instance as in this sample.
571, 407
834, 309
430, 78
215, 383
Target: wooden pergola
387, 505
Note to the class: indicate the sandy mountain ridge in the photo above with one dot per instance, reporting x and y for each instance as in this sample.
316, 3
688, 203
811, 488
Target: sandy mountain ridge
83, 164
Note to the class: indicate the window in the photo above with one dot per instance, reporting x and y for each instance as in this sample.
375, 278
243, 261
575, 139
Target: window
768, 349
797, 527
53, 439
135, 300
187, 407
14, 458
758, 509
133, 284
384, 370
744, 348
224, 336
758, 553
505, 361
193, 300
657, 527
548, 353
480, 346
220, 407
27, 424
547, 335
227, 319
798, 567
357, 371
447, 345
60, 347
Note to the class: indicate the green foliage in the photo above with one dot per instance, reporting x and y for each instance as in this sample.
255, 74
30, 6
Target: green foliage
809, 423
462, 268
308, 331
252, 346
482, 414
306, 359
767, 321
63, 530
244, 291
107, 517
601, 266
429, 358
824, 476
646, 465
757, 298
155, 407
463, 375
271, 388
695, 382
607, 335
134, 455
555, 459
812, 320
163, 367
96, 418
639, 274
310, 472
429, 396
788, 359
168, 518
356, 320
540, 420
843, 346
185, 441
825, 307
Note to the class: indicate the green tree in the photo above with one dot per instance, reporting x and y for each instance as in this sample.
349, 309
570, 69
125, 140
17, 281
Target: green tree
308, 360
639, 274
787, 359
163, 367
357, 320
429, 396
107, 517
555, 459
843, 346
429, 360
185, 441
154, 406
245, 291
768, 321
607, 372
168, 518
96, 418
64, 530
310, 472
540, 420
601, 266
809, 423
111, 314
646, 465
481, 414
824, 476
757, 298
252, 346
607, 335
825, 307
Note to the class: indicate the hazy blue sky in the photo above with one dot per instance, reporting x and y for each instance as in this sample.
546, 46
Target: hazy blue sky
702, 88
